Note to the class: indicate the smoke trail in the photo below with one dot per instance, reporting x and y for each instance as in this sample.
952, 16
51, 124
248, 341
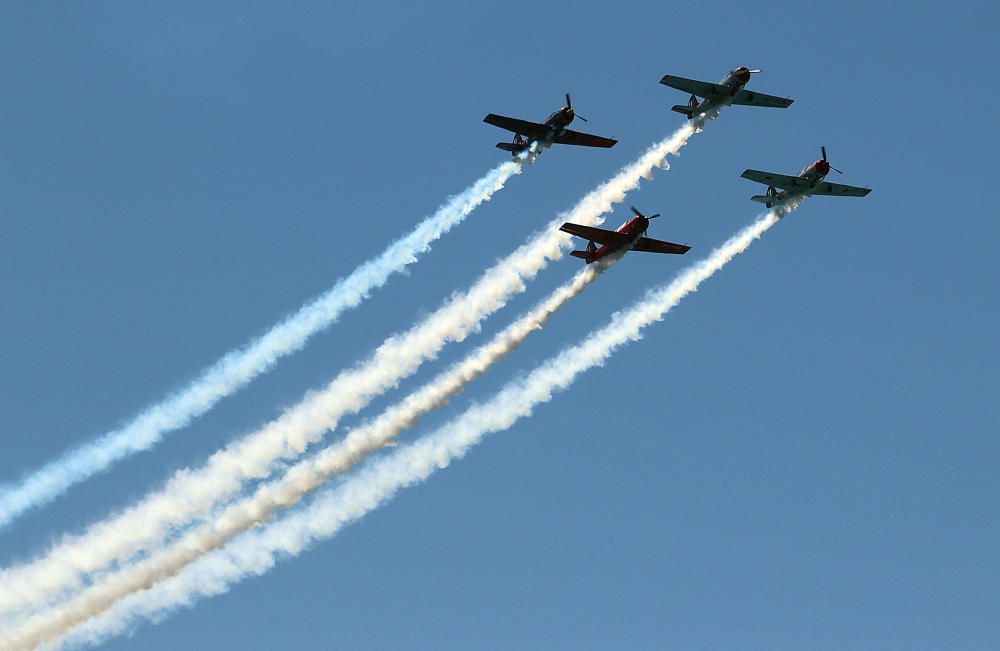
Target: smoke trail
257, 551
240, 366
190, 494
310, 474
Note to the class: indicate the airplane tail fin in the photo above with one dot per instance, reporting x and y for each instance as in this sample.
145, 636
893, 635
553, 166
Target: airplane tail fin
687, 109
516, 146
769, 199
588, 254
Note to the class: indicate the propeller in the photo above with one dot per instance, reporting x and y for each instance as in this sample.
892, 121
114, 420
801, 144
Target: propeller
569, 105
636, 211
753, 72
823, 151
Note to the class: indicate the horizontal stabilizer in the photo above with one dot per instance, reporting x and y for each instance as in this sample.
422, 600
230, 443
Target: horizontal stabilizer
512, 148
583, 255
683, 108
765, 199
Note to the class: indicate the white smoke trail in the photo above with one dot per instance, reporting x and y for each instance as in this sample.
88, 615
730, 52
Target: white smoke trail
257, 551
191, 494
240, 366
309, 474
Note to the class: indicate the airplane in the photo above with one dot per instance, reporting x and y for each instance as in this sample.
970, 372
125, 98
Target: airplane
630, 236
809, 182
728, 91
553, 130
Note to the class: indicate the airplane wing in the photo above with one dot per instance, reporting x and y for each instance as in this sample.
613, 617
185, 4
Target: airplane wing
748, 97
569, 137
524, 127
693, 86
782, 181
599, 235
840, 190
650, 245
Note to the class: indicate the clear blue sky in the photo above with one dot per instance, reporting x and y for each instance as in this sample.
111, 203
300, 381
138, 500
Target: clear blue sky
803, 455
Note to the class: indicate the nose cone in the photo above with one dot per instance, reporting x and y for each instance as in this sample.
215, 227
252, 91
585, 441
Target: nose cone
823, 167
743, 74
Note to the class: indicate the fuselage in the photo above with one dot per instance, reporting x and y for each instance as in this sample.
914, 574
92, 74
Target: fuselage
556, 124
735, 80
633, 229
558, 121
813, 173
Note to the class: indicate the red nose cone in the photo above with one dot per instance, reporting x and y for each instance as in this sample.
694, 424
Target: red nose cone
823, 167
743, 74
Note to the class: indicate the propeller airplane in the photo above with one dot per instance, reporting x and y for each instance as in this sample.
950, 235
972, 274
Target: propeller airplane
630, 236
716, 96
809, 182
552, 131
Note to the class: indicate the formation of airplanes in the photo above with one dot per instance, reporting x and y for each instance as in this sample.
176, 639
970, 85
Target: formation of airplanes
707, 99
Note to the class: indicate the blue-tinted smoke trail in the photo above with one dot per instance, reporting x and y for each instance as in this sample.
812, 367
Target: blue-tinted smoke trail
240, 366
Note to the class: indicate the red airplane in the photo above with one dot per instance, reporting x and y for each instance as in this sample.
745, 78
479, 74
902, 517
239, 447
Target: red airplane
629, 237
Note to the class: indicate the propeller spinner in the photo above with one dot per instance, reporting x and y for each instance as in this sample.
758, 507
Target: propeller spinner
569, 105
743, 73
636, 211
822, 150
